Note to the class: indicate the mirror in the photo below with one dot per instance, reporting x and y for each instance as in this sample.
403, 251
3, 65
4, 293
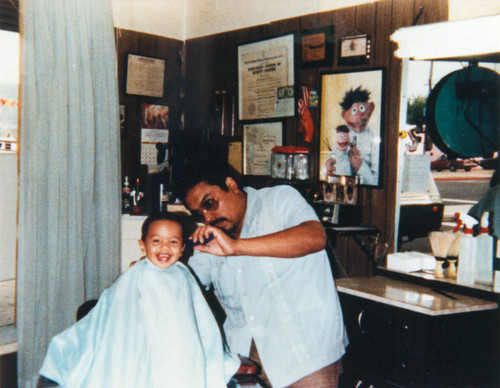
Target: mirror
432, 186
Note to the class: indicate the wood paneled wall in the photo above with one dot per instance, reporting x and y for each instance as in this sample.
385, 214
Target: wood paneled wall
131, 42
9, 15
211, 64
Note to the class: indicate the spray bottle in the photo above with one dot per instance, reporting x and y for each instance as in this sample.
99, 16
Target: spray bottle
467, 253
484, 253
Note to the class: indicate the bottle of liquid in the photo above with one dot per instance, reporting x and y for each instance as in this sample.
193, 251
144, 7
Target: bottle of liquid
126, 206
496, 269
452, 254
467, 253
484, 253
136, 194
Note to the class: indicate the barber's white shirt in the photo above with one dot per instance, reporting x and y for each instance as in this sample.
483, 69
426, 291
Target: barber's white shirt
288, 306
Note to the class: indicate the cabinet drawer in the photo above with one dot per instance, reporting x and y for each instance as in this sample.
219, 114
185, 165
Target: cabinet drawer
411, 349
379, 325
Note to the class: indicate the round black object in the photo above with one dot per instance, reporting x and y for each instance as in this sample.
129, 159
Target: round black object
462, 113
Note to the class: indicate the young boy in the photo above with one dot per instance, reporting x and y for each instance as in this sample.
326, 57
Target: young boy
151, 328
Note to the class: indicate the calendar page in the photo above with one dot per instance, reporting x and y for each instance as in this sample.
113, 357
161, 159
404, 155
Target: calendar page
149, 139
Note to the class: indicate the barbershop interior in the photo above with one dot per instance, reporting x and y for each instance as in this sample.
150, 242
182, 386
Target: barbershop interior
383, 115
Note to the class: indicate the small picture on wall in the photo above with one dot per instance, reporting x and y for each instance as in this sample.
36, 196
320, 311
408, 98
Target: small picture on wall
154, 116
316, 47
351, 125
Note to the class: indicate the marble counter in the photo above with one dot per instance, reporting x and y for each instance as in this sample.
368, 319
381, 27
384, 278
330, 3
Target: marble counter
410, 296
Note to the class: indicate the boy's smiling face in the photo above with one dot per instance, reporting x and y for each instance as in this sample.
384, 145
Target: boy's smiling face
163, 245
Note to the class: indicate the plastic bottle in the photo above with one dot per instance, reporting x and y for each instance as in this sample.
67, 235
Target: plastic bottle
484, 253
126, 206
452, 254
467, 253
496, 269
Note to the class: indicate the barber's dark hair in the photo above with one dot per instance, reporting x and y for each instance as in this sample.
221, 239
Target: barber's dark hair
164, 216
354, 95
212, 171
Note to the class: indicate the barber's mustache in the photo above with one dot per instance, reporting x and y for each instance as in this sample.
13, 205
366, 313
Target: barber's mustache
218, 220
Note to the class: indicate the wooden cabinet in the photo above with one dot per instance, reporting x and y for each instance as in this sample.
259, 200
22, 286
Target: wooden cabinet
403, 335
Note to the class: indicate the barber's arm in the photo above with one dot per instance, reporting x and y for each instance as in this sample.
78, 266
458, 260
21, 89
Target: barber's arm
303, 239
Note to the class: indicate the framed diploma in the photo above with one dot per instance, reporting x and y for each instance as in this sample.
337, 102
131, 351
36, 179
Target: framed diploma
258, 141
145, 76
266, 81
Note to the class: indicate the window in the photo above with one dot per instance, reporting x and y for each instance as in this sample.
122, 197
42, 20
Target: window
9, 84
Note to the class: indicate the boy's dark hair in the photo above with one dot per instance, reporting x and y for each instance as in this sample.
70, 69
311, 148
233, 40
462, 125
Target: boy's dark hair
213, 172
356, 95
343, 128
180, 219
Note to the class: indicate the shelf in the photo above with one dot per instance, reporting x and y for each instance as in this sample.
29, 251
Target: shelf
445, 284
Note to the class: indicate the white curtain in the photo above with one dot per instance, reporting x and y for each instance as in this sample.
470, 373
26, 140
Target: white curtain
69, 201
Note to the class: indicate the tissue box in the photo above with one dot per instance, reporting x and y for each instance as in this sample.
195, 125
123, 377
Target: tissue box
428, 262
410, 261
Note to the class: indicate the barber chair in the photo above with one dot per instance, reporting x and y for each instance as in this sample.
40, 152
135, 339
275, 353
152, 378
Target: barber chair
246, 376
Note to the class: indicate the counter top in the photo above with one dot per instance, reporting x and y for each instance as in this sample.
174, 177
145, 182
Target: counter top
410, 296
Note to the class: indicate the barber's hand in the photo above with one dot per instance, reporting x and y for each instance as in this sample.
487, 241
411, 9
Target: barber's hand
220, 245
355, 159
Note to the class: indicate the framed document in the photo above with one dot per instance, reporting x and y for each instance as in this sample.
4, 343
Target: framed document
258, 141
145, 76
266, 79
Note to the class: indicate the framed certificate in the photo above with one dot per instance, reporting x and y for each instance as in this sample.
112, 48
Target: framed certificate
266, 82
145, 76
258, 141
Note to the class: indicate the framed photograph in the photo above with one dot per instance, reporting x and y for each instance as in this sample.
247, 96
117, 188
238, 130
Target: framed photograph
145, 76
316, 47
258, 141
266, 79
354, 50
351, 125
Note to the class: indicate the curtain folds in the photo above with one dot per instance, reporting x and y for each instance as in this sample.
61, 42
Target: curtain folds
69, 178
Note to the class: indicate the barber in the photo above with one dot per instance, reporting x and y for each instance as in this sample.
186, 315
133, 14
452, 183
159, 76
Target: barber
270, 271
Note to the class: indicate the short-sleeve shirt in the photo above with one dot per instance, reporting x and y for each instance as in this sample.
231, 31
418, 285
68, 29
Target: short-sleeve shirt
289, 307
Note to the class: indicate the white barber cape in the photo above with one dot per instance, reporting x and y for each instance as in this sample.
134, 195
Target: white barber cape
151, 328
